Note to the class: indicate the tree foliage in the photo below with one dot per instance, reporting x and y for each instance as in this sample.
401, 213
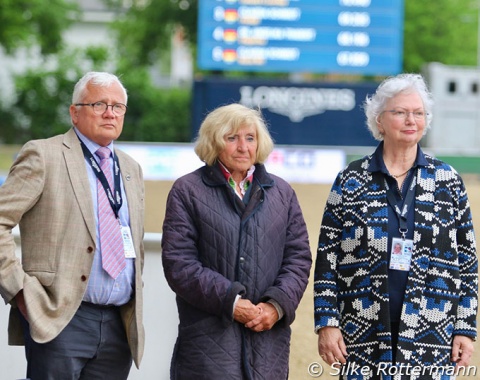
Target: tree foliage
43, 97
35, 22
440, 31
145, 30
155, 114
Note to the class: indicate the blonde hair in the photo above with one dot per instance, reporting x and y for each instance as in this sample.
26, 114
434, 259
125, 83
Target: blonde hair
229, 119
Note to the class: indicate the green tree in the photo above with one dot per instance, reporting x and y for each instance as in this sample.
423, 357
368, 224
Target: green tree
29, 23
155, 114
145, 30
144, 34
442, 31
35, 22
43, 96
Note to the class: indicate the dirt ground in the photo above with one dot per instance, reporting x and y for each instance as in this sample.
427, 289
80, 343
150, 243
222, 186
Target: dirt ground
312, 199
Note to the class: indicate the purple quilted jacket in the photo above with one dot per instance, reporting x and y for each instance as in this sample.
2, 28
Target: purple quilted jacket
215, 247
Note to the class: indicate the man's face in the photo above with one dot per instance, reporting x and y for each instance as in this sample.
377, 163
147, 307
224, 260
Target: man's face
103, 128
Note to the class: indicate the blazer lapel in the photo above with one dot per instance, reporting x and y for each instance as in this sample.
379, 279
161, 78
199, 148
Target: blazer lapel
75, 163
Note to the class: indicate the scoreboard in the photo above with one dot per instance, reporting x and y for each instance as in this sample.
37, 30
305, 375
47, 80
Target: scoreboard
317, 36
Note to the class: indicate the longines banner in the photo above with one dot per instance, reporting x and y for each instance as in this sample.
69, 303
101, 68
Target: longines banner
297, 113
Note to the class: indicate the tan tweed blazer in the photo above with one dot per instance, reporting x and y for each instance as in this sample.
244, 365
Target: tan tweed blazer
47, 193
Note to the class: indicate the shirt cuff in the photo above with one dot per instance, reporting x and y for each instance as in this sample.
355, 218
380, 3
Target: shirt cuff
235, 304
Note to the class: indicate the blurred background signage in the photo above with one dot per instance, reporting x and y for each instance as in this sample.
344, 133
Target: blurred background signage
318, 36
325, 113
167, 162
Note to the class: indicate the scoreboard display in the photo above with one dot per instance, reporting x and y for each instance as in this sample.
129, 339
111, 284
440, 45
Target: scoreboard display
317, 36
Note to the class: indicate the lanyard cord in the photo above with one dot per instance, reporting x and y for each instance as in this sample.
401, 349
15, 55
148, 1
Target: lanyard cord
115, 201
402, 214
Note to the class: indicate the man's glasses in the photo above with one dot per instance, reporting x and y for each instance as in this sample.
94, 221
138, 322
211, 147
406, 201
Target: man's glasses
402, 114
99, 108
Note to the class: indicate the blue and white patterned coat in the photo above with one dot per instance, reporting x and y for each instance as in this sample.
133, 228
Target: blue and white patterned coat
351, 284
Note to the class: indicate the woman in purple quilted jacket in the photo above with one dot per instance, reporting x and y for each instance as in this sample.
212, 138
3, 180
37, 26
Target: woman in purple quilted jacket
235, 251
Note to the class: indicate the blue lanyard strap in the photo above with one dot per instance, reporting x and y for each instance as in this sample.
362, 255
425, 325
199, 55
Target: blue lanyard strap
115, 201
402, 214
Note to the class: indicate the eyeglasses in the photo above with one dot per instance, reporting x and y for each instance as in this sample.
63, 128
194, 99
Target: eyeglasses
402, 114
99, 108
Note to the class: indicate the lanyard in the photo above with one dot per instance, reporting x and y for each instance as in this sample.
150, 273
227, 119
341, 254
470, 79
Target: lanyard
115, 202
402, 214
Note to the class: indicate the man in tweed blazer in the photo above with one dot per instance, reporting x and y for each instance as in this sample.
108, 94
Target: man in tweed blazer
75, 320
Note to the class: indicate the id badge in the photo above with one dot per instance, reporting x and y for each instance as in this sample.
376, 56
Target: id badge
128, 243
401, 254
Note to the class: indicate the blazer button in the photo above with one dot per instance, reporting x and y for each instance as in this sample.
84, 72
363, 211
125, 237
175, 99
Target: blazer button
83, 278
90, 249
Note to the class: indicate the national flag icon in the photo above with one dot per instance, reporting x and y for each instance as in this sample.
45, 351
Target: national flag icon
230, 35
230, 15
229, 55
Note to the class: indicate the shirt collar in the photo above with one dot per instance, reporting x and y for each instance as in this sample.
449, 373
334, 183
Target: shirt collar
378, 165
244, 183
92, 146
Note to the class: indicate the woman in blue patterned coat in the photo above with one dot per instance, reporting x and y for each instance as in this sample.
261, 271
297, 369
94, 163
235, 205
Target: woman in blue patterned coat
383, 310
235, 250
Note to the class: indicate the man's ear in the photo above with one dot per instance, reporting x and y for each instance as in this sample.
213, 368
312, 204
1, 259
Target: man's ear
73, 114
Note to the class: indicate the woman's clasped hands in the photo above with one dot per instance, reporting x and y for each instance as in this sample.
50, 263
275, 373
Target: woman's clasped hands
257, 318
